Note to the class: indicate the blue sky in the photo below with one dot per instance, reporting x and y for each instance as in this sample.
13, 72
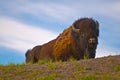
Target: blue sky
27, 23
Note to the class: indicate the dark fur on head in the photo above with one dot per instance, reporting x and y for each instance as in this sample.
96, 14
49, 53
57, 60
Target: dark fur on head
87, 36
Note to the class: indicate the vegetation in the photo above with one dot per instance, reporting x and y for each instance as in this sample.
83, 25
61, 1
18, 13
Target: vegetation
51, 65
117, 68
106, 68
89, 77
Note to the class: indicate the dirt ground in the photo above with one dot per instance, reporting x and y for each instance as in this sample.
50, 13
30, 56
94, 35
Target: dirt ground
105, 68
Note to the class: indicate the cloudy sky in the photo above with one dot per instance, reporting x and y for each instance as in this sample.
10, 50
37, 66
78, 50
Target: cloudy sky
26, 23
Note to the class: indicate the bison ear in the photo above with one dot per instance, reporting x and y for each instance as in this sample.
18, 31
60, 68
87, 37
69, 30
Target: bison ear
97, 25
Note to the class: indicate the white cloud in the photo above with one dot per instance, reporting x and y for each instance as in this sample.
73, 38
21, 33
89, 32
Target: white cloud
40, 9
15, 33
21, 37
64, 11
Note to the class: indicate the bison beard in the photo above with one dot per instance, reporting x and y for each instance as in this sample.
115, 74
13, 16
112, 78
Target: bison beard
78, 40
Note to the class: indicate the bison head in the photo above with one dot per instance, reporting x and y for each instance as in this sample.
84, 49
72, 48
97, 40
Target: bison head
86, 31
28, 55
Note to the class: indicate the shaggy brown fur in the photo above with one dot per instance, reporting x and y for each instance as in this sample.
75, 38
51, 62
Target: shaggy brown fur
40, 52
71, 42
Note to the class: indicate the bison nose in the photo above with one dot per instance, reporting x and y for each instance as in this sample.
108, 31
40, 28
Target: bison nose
92, 40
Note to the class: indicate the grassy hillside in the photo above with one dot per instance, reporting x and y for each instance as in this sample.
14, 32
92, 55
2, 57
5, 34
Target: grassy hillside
106, 68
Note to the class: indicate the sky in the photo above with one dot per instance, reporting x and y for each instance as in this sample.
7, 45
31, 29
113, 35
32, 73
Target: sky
27, 23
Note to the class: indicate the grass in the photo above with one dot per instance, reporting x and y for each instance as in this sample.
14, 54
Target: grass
31, 74
80, 68
70, 70
44, 61
109, 77
52, 76
106, 77
88, 77
71, 59
20, 68
9, 69
86, 56
51, 65
84, 77
117, 68
34, 73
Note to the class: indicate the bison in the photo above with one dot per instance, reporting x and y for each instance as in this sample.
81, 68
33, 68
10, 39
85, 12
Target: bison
78, 40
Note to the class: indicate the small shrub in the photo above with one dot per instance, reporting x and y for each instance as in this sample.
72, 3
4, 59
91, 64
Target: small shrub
60, 61
43, 61
110, 77
88, 61
19, 68
89, 77
31, 62
96, 72
85, 77
1, 66
71, 59
51, 65
11, 64
106, 77
80, 68
32, 74
23, 64
117, 68
48, 77
86, 56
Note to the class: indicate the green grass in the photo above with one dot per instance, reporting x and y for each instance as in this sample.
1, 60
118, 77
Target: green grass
84, 77
44, 61
52, 76
11, 65
51, 65
117, 68
80, 68
71, 59
106, 77
33, 74
88, 77
48, 70
20, 68
86, 56
110, 77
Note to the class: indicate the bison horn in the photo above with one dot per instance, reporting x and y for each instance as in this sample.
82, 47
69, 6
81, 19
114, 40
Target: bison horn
75, 30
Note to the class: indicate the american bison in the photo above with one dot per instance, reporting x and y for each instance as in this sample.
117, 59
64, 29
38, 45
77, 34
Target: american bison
78, 40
